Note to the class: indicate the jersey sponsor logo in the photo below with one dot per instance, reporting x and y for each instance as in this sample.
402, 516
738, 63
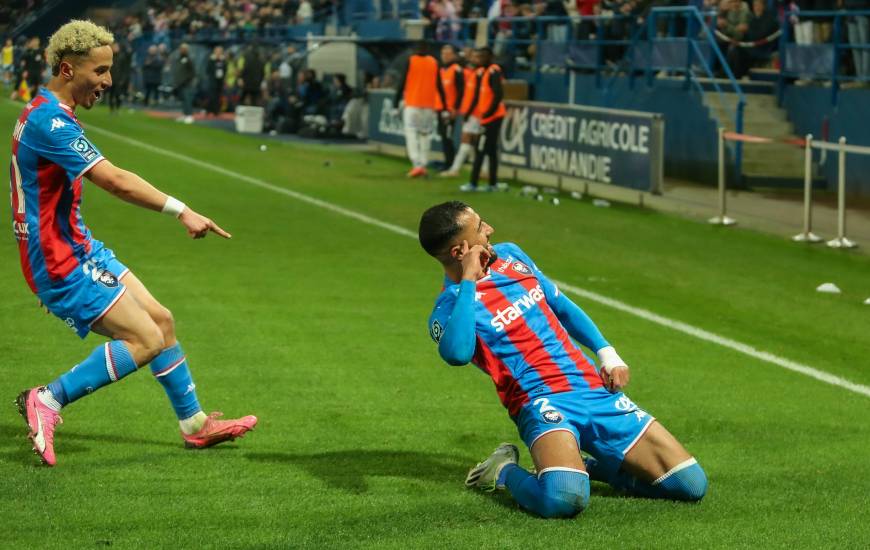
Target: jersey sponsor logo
437, 331
84, 148
504, 317
521, 268
56, 123
21, 230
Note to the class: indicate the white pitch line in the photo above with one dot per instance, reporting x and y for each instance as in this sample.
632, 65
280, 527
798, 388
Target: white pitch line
679, 326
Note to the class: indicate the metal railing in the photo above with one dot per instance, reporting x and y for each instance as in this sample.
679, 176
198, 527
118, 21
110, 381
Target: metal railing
838, 46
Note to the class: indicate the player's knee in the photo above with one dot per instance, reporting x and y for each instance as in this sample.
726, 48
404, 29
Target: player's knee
566, 493
689, 483
164, 320
148, 344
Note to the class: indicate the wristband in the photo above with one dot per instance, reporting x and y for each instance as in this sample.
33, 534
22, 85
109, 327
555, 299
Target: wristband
610, 359
173, 207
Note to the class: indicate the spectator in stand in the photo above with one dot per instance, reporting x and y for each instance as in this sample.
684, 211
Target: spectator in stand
183, 80
340, 94
307, 98
804, 32
305, 13
277, 103
152, 73
761, 25
251, 76
859, 35
587, 9
32, 65
122, 61
7, 62
733, 20
216, 72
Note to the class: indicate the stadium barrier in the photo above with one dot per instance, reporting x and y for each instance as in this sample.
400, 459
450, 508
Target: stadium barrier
560, 142
808, 144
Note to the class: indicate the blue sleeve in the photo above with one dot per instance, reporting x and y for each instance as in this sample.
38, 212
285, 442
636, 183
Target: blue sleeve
60, 139
452, 326
579, 325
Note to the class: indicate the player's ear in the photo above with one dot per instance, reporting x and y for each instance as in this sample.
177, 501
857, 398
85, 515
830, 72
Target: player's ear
456, 252
66, 70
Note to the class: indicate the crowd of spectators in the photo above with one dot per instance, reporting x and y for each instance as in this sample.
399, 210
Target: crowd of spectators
217, 19
153, 68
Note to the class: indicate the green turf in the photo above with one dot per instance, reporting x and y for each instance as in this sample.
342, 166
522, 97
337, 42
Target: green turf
316, 323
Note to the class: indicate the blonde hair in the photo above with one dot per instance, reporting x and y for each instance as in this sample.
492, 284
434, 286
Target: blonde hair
78, 37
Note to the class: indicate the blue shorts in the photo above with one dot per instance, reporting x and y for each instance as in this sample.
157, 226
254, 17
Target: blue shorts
606, 425
89, 292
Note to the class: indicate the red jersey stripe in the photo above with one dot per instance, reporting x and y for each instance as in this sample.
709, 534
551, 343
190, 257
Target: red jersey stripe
589, 375
60, 260
511, 394
526, 341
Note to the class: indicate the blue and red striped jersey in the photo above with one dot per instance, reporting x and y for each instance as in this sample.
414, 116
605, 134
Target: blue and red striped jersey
521, 344
50, 154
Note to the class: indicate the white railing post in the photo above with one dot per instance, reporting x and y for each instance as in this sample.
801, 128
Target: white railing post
807, 236
841, 241
722, 218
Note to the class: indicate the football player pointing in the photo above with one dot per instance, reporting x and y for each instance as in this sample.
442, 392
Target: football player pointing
74, 275
500, 312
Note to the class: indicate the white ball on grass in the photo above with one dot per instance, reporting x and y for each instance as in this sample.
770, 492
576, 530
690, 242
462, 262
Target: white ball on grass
263, 147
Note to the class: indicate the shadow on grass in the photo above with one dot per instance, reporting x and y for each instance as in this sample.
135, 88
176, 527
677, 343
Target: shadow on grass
348, 470
17, 448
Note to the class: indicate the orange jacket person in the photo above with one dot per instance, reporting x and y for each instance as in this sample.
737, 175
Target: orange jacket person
419, 94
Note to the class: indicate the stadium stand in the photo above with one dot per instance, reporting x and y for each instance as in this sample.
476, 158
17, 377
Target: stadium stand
770, 69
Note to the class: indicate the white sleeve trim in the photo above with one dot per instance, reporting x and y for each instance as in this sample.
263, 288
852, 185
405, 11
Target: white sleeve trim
90, 165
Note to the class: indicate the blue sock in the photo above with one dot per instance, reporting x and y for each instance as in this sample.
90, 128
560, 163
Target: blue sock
106, 364
554, 493
170, 369
686, 481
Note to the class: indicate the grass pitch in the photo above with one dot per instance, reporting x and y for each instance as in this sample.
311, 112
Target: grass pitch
316, 323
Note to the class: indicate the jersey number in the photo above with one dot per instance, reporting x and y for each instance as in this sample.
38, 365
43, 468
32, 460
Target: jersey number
16, 175
545, 405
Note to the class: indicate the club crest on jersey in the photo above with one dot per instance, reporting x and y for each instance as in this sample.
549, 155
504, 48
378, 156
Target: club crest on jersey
437, 331
504, 317
84, 148
552, 417
107, 279
521, 268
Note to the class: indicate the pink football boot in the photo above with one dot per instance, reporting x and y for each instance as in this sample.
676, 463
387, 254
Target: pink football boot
41, 421
216, 431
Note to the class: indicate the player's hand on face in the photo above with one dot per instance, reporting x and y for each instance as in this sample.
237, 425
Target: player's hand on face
616, 379
198, 225
474, 260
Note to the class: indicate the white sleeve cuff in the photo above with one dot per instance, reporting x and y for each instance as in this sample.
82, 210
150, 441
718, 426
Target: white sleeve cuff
610, 359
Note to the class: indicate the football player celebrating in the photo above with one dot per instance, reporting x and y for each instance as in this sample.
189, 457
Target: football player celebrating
500, 312
74, 275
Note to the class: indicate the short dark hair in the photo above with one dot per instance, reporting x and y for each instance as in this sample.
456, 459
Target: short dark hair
439, 224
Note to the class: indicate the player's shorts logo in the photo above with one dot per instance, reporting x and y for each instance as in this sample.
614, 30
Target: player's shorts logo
107, 279
437, 331
552, 417
521, 268
84, 148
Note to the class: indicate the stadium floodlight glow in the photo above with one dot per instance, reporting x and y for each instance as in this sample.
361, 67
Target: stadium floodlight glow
722, 218
807, 235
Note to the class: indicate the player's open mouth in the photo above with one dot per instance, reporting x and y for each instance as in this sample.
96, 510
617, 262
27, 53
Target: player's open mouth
97, 95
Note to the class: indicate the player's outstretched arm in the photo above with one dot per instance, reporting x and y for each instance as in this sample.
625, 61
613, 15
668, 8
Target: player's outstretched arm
131, 188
